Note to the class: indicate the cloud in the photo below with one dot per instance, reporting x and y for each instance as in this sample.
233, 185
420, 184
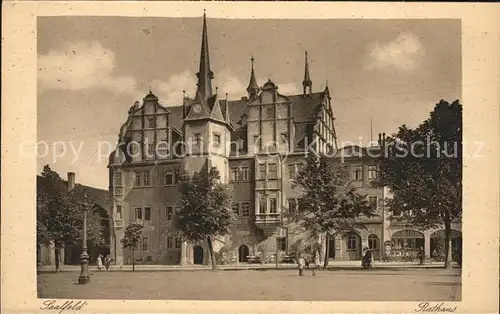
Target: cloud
403, 53
79, 66
170, 91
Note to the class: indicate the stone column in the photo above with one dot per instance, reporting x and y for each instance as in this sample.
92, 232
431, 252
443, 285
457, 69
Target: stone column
427, 243
183, 253
119, 248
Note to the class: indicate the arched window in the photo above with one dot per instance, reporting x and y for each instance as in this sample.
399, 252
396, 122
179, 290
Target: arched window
373, 243
352, 242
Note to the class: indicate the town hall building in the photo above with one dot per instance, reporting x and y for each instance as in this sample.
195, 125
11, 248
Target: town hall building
258, 144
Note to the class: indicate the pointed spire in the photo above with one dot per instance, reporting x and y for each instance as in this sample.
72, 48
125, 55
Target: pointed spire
205, 75
252, 88
307, 83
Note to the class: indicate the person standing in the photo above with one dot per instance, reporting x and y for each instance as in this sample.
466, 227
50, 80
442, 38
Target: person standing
301, 264
99, 262
107, 262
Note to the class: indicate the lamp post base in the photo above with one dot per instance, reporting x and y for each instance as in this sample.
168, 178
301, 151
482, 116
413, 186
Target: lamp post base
84, 277
83, 280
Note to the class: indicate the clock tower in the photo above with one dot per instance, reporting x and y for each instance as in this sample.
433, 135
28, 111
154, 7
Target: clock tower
207, 127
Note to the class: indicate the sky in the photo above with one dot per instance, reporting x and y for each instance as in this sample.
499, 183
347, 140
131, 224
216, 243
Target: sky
381, 74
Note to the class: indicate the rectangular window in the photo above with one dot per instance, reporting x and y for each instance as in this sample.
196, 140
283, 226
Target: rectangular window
281, 243
262, 171
147, 213
372, 200
272, 206
284, 138
138, 179
147, 178
270, 112
169, 178
245, 173
235, 174
236, 208
170, 242
118, 211
197, 139
292, 205
151, 150
145, 243
358, 173
262, 205
118, 190
170, 213
152, 122
372, 172
138, 213
177, 243
245, 209
291, 171
216, 140
118, 177
273, 171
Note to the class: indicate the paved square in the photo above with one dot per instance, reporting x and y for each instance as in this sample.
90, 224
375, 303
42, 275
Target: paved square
339, 285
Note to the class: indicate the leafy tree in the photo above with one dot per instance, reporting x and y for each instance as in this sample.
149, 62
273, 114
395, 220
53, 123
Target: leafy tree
60, 214
131, 238
423, 168
204, 209
329, 205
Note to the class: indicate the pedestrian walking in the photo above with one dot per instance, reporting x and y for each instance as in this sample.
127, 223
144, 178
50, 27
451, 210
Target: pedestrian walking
99, 262
107, 262
421, 255
301, 264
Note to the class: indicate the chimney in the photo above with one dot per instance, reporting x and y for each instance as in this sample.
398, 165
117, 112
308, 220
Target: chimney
71, 181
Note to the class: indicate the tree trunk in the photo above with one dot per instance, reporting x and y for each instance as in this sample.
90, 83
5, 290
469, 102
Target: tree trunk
57, 252
447, 244
133, 259
327, 249
211, 252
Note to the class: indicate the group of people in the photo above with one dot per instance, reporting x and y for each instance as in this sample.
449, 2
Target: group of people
103, 261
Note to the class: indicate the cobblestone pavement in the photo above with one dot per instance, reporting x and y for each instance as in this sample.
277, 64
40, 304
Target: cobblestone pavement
413, 284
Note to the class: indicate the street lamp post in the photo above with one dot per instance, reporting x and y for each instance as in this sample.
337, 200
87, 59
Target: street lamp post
84, 277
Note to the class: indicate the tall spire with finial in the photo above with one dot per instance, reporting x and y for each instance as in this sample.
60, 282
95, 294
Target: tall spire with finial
253, 88
307, 83
205, 75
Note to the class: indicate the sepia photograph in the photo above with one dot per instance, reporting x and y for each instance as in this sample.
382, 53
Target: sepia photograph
250, 157
203, 158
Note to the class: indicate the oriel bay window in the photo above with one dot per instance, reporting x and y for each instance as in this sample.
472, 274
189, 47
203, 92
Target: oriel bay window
273, 171
273, 206
262, 205
262, 171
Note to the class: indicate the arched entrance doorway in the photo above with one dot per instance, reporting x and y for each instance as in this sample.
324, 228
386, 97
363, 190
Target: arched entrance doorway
438, 241
197, 255
243, 252
407, 243
374, 246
